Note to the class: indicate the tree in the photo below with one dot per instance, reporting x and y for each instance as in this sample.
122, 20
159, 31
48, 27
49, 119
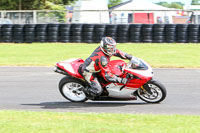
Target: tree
165, 4
112, 3
177, 5
21, 4
31, 4
195, 2
64, 2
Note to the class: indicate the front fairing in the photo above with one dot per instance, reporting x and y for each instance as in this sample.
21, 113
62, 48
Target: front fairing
115, 66
141, 71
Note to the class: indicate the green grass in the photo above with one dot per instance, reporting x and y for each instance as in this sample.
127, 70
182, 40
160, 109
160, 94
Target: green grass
47, 54
51, 122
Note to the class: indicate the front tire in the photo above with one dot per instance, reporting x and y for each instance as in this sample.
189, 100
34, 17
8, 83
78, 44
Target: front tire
72, 89
158, 90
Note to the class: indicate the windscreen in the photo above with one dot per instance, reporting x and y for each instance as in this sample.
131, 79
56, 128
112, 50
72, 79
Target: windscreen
136, 63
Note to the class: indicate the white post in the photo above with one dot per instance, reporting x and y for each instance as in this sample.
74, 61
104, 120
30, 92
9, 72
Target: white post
196, 18
100, 20
133, 19
3, 16
35, 17
67, 15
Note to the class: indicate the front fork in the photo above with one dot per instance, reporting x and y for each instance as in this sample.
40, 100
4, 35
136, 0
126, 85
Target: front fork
146, 88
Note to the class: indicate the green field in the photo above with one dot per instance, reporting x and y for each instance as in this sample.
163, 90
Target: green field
47, 54
51, 122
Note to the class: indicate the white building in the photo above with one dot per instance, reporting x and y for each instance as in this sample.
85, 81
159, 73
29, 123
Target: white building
91, 11
141, 11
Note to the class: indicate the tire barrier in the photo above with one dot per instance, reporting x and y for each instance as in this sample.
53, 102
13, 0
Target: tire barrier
52, 32
29, 33
147, 33
18, 33
111, 31
181, 33
93, 33
0, 32
41, 33
76, 33
135, 33
64, 33
87, 33
158, 33
193, 33
122, 33
6, 33
170, 33
99, 32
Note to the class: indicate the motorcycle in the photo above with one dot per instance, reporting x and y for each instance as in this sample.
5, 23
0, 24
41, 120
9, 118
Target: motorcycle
140, 82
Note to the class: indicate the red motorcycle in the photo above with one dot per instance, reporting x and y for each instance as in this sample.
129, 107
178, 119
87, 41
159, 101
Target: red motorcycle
140, 82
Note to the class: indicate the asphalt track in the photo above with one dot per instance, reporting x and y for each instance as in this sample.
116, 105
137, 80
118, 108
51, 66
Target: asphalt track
36, 89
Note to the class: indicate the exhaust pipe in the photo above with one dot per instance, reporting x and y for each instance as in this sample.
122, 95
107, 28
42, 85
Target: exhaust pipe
59, 70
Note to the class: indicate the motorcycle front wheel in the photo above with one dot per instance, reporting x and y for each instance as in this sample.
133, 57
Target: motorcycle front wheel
158, 92
72, 89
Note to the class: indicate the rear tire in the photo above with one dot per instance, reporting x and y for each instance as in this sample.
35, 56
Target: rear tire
72, 89
158, 90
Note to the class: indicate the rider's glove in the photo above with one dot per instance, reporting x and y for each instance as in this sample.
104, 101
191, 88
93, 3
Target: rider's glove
124, 80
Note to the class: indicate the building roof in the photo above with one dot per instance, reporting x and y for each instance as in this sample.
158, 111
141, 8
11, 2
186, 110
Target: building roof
192, 7
121, 4
139, 5
91, 5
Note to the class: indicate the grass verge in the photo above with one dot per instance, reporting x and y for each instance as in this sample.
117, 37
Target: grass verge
43, 122
47, 54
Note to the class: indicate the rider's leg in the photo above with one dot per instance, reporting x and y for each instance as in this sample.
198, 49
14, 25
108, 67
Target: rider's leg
94, 88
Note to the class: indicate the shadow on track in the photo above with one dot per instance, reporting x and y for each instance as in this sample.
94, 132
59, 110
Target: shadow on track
71, 105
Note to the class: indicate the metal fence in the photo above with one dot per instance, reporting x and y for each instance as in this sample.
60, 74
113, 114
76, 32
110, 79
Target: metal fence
32, 17
100, 16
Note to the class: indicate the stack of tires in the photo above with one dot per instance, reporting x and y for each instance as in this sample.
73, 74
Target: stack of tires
99, 32
41, 32
93, 33
111, 31
135, 33
87, 33
6, 33
29, 32
18, 33
181, 33
170, 33
64, 33
193, 33
76, 33
147, 30
158, 33
123, 33
52, 32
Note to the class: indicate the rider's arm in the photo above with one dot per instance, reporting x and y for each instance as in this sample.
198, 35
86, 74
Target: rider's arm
106, 73
122, 55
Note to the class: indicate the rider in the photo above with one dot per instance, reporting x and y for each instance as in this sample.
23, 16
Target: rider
97, 63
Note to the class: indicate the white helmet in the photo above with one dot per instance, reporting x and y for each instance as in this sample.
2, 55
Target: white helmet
108, 46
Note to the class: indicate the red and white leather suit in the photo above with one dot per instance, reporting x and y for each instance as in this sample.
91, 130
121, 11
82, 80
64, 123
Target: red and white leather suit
97, 63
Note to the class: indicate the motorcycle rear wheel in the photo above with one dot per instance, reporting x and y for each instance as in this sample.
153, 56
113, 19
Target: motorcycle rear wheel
158, 90
72, 89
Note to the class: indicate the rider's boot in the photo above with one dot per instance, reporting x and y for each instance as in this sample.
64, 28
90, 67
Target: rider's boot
89, 92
